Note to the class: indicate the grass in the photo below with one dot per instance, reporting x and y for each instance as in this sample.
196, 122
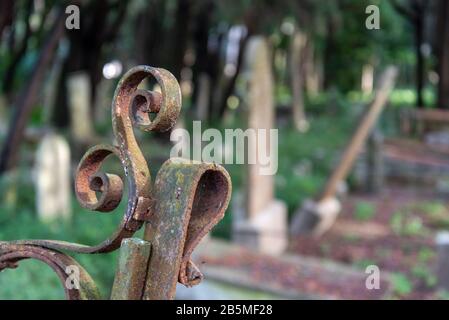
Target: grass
401, 284
423, 272
35, 280
364, 211
416, 218
404, 224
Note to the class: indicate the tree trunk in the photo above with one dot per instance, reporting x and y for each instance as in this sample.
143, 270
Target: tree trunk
419, 37
26, 100
8, 78
203, 60
150, 36
6, 14
86, 50
443, 55
329, 50
230, 84
180, 36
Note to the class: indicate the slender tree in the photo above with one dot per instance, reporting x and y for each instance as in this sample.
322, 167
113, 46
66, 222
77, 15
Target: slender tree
27, 99
415, 13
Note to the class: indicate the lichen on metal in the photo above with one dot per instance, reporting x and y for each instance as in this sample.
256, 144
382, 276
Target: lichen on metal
187, 200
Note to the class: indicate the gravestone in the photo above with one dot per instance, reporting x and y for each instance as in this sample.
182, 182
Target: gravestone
52, 175
375, 163
260, 220
78, 88
442, 244
313, 70
367, 79
369, 170
297, 55
318, 215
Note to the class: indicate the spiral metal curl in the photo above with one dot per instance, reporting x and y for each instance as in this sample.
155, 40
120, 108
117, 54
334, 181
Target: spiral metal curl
131, 106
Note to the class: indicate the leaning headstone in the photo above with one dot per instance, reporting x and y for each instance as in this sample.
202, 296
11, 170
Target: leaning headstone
442, 244
52, 175
318, 215
262, 222
78, 87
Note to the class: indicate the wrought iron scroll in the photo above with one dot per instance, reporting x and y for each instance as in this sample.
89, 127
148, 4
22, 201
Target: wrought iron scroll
187, 200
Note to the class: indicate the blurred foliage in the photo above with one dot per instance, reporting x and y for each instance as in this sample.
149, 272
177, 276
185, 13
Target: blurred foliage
404, 224
401, 284
34, 279
364, 211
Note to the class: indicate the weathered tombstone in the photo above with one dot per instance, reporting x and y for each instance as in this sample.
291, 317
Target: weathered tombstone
297, 53
313, 70
262, 222
375, 162
367, 79
78, 87
319, 215
53, 178
442, 244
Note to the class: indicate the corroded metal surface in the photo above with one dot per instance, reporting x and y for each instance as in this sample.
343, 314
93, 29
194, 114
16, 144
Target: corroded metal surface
85, 289
188, 199
132, 270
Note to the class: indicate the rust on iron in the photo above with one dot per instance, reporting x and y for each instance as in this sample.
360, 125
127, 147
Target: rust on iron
132, 269
187, 200
85, 289
144, 103
125, 114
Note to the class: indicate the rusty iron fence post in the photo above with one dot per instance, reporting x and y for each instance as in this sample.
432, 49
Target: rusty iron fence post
187, 200
132, 269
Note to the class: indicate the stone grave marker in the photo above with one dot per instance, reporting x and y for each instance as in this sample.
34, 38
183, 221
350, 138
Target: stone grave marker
369, 170
297, 54
318, 215
375, 164
78, 87
260, 220
52, 176
442, 244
